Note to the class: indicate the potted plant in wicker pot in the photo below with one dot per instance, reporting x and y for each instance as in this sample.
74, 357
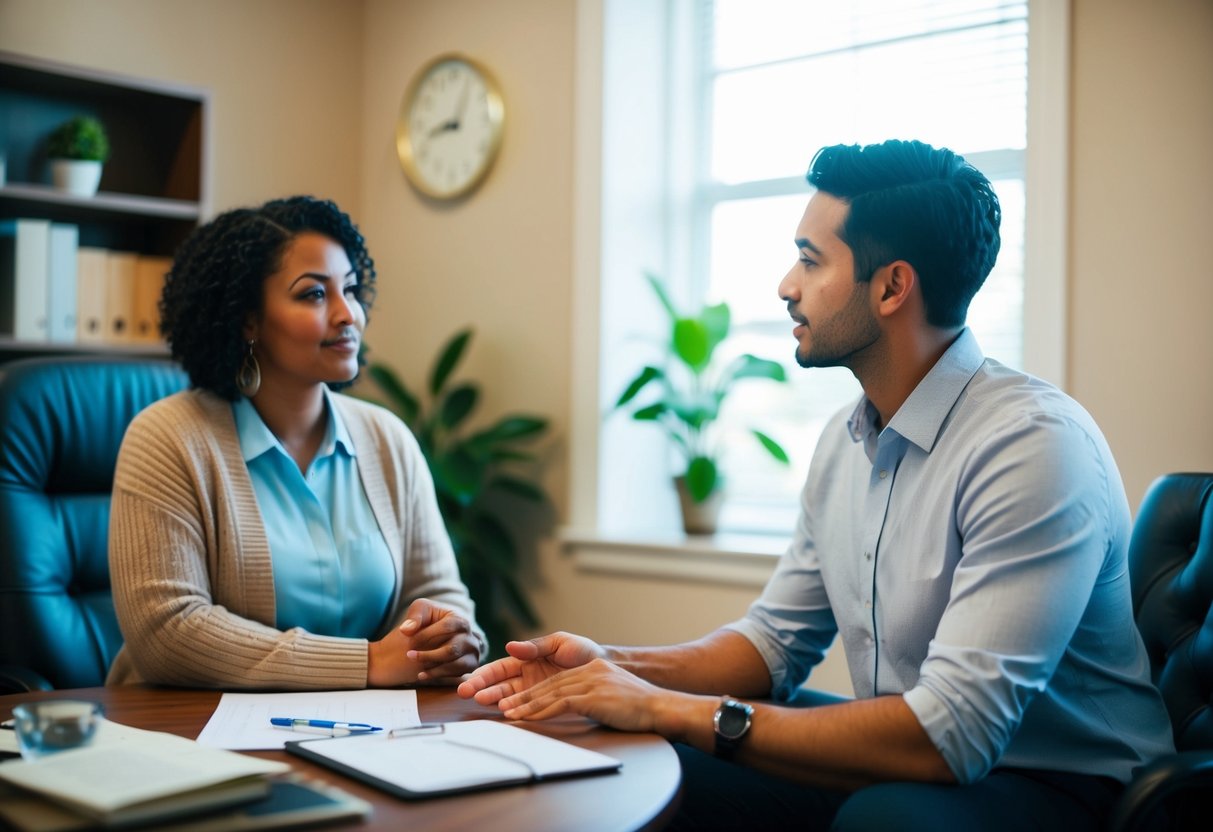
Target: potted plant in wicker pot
77, 149
691, 389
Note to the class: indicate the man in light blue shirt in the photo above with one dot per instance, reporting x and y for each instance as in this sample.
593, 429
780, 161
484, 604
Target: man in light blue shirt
980, 540
963, 532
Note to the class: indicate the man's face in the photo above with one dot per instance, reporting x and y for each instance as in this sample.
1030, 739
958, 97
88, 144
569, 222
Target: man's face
832, 312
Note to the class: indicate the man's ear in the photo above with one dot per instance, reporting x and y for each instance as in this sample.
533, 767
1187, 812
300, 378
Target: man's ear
894, 285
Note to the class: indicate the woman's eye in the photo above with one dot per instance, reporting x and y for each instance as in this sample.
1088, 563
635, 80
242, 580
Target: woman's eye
315, 293
352, 289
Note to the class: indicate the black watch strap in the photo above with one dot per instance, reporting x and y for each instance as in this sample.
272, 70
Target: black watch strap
732, 723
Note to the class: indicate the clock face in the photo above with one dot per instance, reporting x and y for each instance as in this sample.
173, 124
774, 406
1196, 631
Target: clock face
449, 128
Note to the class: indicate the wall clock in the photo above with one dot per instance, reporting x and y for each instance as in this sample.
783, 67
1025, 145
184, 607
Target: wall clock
449, 129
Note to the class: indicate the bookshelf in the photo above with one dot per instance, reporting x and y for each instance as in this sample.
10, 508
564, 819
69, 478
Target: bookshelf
154, 188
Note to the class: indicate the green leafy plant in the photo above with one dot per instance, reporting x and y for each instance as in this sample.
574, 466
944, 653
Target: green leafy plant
692, 389
82, 137
475, 474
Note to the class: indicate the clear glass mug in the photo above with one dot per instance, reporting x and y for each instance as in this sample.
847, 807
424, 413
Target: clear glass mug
54, 725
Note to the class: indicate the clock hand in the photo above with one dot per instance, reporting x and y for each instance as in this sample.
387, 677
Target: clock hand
446, 126
452, 123
463, 102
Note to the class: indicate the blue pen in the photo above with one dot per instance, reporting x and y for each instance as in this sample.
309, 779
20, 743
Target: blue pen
326, 724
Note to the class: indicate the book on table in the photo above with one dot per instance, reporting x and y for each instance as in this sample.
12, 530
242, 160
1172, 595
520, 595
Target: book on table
452, 757
291, 802
129, 776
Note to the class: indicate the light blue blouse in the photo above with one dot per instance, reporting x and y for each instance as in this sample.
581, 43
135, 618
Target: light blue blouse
971, 556
333, 571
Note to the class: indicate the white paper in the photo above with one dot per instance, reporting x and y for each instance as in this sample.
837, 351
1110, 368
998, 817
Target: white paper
241, 722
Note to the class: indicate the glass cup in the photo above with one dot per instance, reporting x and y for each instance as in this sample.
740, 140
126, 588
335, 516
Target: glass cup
54, 725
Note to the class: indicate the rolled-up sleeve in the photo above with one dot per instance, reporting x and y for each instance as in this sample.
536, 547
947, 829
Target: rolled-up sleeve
1032, 512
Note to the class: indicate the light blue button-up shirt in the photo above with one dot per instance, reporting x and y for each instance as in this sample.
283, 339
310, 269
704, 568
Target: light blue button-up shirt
333, 571
972, 556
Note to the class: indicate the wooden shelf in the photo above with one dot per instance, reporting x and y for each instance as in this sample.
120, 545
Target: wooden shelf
154, 186
103, 202
11, 348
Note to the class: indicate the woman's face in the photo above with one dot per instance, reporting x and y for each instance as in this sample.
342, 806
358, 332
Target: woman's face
311, 324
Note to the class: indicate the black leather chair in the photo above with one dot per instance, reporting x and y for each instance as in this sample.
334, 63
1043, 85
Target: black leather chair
61, 423
1171, 571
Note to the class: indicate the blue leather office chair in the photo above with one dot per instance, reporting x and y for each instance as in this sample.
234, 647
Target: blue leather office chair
61, 423
1171, 572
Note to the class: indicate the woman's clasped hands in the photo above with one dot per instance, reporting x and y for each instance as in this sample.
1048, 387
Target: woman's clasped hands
435, 642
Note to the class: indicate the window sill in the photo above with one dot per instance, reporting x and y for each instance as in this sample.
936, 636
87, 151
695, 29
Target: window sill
732, 559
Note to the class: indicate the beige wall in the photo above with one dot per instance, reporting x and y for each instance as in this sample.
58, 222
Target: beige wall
283, 75
295, 110
1141, 234
501, 259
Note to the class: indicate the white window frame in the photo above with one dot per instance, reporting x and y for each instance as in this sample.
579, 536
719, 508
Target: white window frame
623, 225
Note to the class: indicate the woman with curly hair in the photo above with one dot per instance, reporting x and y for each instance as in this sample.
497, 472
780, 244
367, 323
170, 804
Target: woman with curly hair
266, 531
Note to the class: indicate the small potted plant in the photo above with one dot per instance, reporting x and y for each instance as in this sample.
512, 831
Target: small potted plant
692, 390
77, 149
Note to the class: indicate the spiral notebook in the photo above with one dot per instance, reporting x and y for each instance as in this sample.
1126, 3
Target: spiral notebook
453, 757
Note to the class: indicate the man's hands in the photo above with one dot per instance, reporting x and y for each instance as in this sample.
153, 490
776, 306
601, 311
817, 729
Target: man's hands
606, 693
529, 663
434, 642
563, 673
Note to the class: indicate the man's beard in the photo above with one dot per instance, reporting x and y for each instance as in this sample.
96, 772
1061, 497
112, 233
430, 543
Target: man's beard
835, 341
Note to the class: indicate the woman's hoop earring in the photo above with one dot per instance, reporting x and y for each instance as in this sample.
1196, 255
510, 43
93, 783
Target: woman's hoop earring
248, 377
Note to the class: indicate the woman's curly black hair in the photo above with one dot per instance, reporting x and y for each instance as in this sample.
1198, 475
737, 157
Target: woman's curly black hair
216, 281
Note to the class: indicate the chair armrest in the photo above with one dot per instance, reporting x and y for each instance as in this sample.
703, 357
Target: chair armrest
17, 679
1154, 784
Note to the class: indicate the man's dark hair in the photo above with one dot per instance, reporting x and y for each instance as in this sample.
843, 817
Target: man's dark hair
217, 276
928, 206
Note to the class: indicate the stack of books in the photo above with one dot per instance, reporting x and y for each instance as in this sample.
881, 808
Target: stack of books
130, 777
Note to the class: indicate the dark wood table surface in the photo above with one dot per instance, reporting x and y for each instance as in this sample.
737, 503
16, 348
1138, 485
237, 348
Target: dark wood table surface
642, 795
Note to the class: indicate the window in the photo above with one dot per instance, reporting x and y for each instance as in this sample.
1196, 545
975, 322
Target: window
711, 110
779, 78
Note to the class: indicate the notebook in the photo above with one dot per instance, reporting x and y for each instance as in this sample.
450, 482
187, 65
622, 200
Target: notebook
292, 801
128, 776
452, 757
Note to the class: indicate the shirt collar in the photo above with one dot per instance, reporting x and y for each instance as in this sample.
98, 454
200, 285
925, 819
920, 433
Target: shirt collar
921, 416
256, 438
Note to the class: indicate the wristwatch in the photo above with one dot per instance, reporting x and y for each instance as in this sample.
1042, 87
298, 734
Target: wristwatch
732, 722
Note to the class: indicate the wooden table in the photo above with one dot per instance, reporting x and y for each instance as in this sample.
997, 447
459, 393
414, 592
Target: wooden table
643, 795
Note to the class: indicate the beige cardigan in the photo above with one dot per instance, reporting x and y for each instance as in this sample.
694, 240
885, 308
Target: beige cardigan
190, 563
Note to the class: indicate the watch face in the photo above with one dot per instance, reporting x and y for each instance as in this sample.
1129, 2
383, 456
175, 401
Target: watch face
450, 127
733, 719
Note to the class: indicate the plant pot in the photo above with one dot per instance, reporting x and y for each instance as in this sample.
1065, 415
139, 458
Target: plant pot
699, 518
76, 176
